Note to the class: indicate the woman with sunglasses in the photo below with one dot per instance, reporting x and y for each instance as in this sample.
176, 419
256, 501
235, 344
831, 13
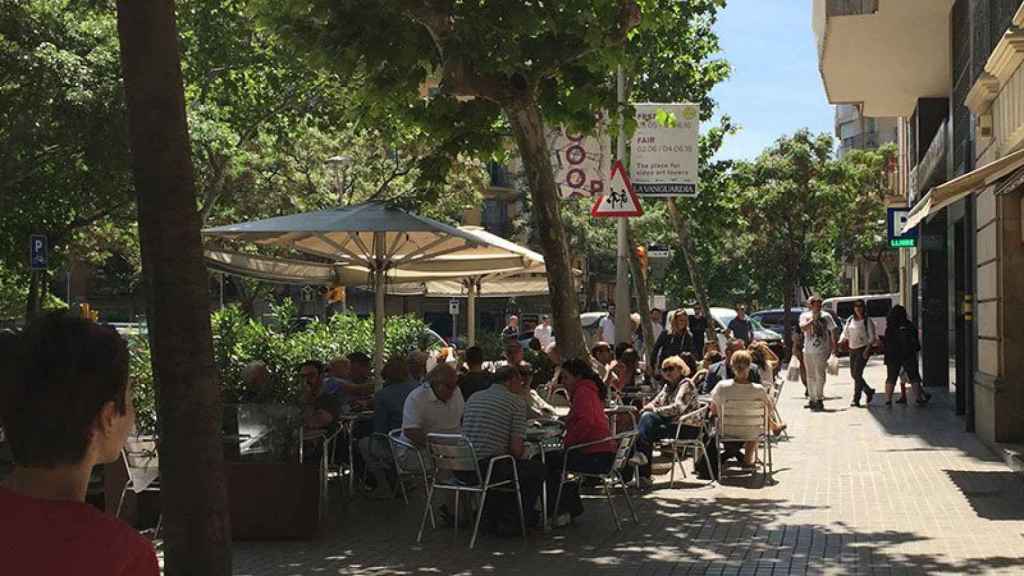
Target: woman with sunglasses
859, 335
658, 421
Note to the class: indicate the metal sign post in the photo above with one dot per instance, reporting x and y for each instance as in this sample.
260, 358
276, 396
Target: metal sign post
453, 309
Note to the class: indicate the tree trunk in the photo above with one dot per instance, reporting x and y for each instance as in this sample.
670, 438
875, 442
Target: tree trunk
193, 491
528, 128
32, 306
683, 230
642, 295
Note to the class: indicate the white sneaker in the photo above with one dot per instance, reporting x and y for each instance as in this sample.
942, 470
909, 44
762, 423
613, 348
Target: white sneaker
638, 459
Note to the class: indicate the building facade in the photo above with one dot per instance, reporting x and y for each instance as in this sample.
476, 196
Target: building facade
950, 71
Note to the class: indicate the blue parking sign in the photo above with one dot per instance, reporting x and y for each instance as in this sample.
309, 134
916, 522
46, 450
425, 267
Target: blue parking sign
896, 220
37, 252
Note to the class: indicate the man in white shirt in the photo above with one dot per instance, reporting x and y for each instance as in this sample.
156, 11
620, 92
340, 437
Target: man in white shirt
434, 408
819, 343
543, 332
859, 335
607, 326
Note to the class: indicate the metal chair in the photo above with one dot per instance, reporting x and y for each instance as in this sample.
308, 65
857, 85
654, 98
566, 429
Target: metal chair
613, 425
454, 453
745, 421
679, 446
396, 445
626, 441
776, 395
142, 463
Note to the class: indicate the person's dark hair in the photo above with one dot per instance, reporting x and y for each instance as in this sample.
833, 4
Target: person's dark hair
58, 375
735, 344
315, 364
535, 345
474, 355
863, 308
621, 348
358, 358
690, 362
897, 315
713, 357
581, 369
630, 357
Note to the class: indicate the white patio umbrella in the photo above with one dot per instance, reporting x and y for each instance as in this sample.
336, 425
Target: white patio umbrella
368, 244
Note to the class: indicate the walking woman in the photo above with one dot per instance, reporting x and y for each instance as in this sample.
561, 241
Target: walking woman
901, 348
672, 342
859, 335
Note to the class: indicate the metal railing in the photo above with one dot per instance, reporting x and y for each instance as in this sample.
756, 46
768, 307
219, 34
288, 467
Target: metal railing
850, 7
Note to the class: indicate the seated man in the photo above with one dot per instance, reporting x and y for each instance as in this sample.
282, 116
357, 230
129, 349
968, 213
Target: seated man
388, 404
741, 387
417, 360
434, 407
723, 370
360, 388
255, 383
495, 424
514, 354
603, 361
67, 406
320, 409
476, 379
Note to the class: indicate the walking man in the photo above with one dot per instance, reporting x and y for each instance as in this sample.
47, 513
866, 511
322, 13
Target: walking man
819, 343
859, 335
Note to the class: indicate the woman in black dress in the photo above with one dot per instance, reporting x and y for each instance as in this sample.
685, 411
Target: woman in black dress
675, 340
901, 348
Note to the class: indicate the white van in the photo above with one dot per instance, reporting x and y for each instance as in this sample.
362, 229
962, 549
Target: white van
878, 306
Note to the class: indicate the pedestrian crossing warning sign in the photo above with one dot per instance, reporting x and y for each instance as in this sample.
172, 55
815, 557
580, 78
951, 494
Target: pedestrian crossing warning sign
619, 200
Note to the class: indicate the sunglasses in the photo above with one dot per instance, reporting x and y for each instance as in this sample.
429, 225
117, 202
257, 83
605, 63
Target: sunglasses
670, 369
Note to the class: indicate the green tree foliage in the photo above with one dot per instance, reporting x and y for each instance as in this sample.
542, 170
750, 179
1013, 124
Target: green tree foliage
790, 197
238, 340
505, 67
63, 140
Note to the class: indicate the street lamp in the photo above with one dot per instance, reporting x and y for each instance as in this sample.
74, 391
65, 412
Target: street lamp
340, 165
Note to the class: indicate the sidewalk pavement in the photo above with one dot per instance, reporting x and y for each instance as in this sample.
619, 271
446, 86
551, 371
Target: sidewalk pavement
875, 490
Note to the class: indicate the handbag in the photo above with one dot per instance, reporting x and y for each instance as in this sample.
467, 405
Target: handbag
833, 365
793, 373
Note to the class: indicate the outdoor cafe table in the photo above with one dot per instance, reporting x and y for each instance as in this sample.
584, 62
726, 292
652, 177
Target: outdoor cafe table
348, 423
543, 436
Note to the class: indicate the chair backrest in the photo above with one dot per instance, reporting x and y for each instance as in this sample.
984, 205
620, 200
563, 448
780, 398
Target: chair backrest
700, 414
142, 462
743, 420
453, 452
398, 446
626, 441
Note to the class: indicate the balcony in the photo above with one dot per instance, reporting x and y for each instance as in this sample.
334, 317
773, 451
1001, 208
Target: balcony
850, 7
931, 170
866, 141
883, 54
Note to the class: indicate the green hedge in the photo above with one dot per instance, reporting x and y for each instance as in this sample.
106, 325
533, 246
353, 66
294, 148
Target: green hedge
238, 340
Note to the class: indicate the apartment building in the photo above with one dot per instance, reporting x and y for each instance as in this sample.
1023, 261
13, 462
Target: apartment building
950, 71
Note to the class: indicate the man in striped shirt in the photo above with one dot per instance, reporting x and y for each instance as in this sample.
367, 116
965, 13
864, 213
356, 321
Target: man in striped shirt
495, 423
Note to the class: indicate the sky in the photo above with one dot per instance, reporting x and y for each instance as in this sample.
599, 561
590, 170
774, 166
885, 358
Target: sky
775, 88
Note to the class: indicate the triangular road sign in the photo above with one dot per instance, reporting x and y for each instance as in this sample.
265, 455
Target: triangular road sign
619, 200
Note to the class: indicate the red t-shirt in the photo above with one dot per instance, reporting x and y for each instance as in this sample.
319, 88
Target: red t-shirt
60, 537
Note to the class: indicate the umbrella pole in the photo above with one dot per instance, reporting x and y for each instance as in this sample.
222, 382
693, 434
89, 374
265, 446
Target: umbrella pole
378, 313
471, 314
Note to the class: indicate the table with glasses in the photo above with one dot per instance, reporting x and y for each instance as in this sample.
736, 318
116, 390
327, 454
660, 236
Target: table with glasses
543, 436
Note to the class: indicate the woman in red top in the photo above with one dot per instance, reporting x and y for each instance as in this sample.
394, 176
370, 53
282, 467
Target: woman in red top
585, 423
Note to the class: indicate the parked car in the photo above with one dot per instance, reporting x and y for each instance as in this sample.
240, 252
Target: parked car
722, 317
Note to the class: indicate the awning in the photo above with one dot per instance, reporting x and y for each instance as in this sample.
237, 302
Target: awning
512, 287
943, 195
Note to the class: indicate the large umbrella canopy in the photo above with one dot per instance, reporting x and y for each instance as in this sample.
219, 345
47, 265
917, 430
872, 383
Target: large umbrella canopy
367, 244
